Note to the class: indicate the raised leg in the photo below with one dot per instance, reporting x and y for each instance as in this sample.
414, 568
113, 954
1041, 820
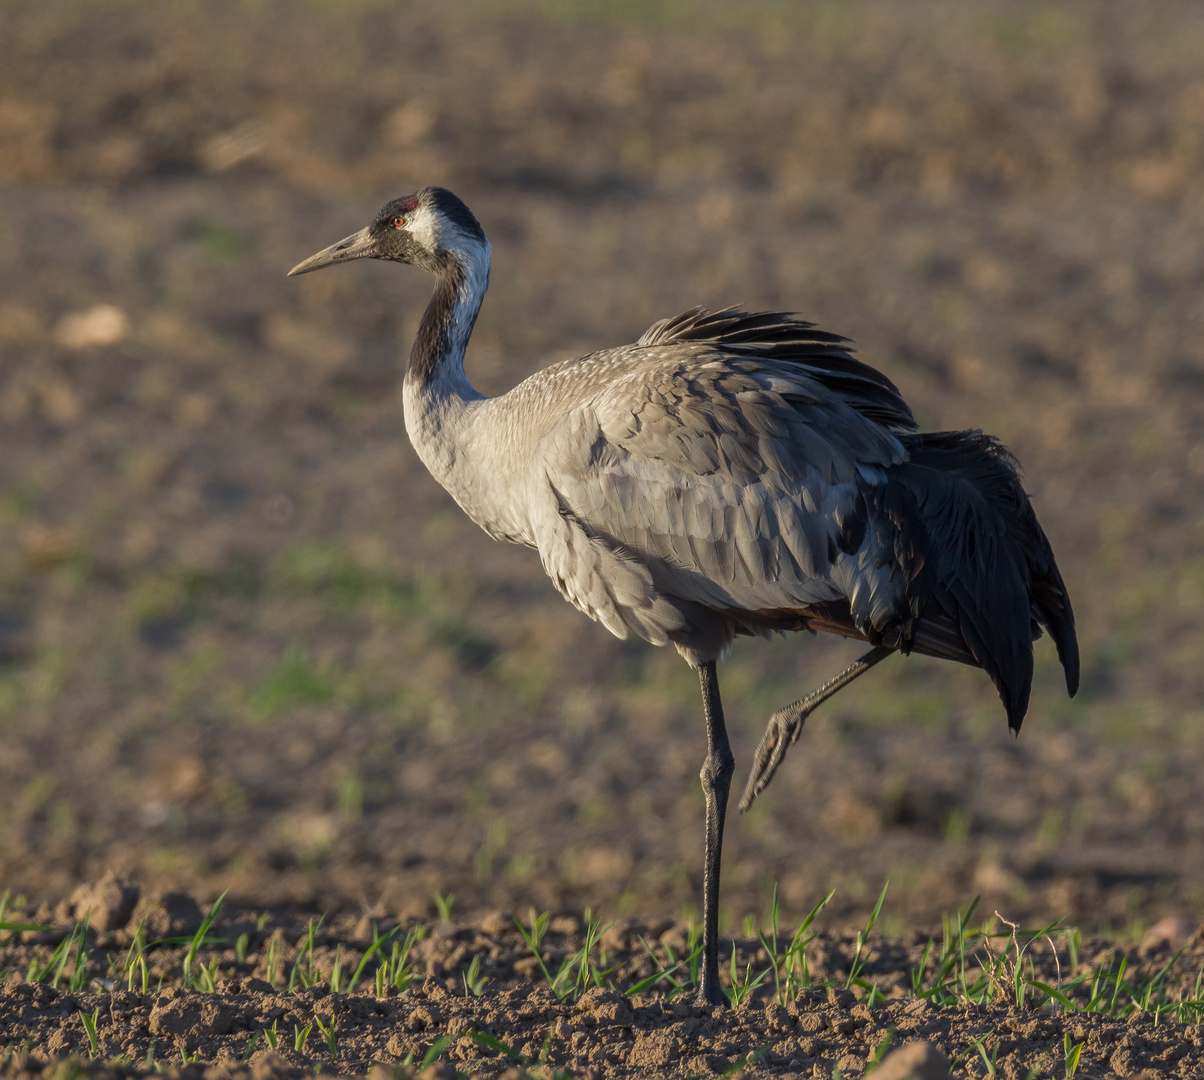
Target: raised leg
716, 777
785, 725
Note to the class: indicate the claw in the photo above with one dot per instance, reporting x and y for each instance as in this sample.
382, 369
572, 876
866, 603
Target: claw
783, 730
786, 725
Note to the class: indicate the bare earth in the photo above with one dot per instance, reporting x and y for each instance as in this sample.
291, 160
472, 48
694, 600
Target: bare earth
478, 1000
247, 644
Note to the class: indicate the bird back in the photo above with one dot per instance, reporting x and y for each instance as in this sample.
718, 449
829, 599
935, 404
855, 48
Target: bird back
779, 336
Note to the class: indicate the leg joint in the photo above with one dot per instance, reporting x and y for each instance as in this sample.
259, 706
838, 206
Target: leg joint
717, 769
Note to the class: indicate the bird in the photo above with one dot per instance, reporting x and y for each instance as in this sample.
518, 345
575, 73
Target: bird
730, 473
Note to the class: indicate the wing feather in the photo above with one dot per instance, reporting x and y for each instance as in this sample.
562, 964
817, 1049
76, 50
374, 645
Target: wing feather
741, 472
723, 477
775, 335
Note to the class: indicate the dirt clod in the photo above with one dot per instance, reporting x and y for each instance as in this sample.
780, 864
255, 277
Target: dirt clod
163, 915
107, 903
175, 1013
917, 1061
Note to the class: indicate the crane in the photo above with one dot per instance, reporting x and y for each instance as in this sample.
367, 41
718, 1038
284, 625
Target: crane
729, 473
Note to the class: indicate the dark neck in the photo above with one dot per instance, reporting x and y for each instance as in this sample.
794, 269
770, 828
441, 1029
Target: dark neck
437, 356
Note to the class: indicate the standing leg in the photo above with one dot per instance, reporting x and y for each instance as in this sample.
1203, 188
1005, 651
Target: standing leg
716, 777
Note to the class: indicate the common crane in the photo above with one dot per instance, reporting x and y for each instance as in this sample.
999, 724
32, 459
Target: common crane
729, 473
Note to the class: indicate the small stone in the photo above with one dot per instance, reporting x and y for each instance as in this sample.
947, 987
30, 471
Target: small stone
104, 324
915, 1061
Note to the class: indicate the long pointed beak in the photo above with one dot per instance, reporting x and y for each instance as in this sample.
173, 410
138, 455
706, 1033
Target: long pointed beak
355, 246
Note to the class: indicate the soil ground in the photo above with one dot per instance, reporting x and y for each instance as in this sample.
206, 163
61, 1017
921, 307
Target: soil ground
247, 644
274, 997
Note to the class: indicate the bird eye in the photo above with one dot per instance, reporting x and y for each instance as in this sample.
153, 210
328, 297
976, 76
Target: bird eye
398, 222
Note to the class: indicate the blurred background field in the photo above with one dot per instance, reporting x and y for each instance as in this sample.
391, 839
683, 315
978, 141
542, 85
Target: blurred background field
246, 641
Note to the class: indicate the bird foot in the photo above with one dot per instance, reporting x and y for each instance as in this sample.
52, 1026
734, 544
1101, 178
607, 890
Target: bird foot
785, 724
712, 995
784, 727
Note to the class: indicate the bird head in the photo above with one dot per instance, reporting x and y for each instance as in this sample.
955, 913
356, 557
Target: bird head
427, 229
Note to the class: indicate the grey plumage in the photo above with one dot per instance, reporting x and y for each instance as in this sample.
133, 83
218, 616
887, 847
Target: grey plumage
729, 473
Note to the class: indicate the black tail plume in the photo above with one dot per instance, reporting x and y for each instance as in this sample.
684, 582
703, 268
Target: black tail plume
979, 558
